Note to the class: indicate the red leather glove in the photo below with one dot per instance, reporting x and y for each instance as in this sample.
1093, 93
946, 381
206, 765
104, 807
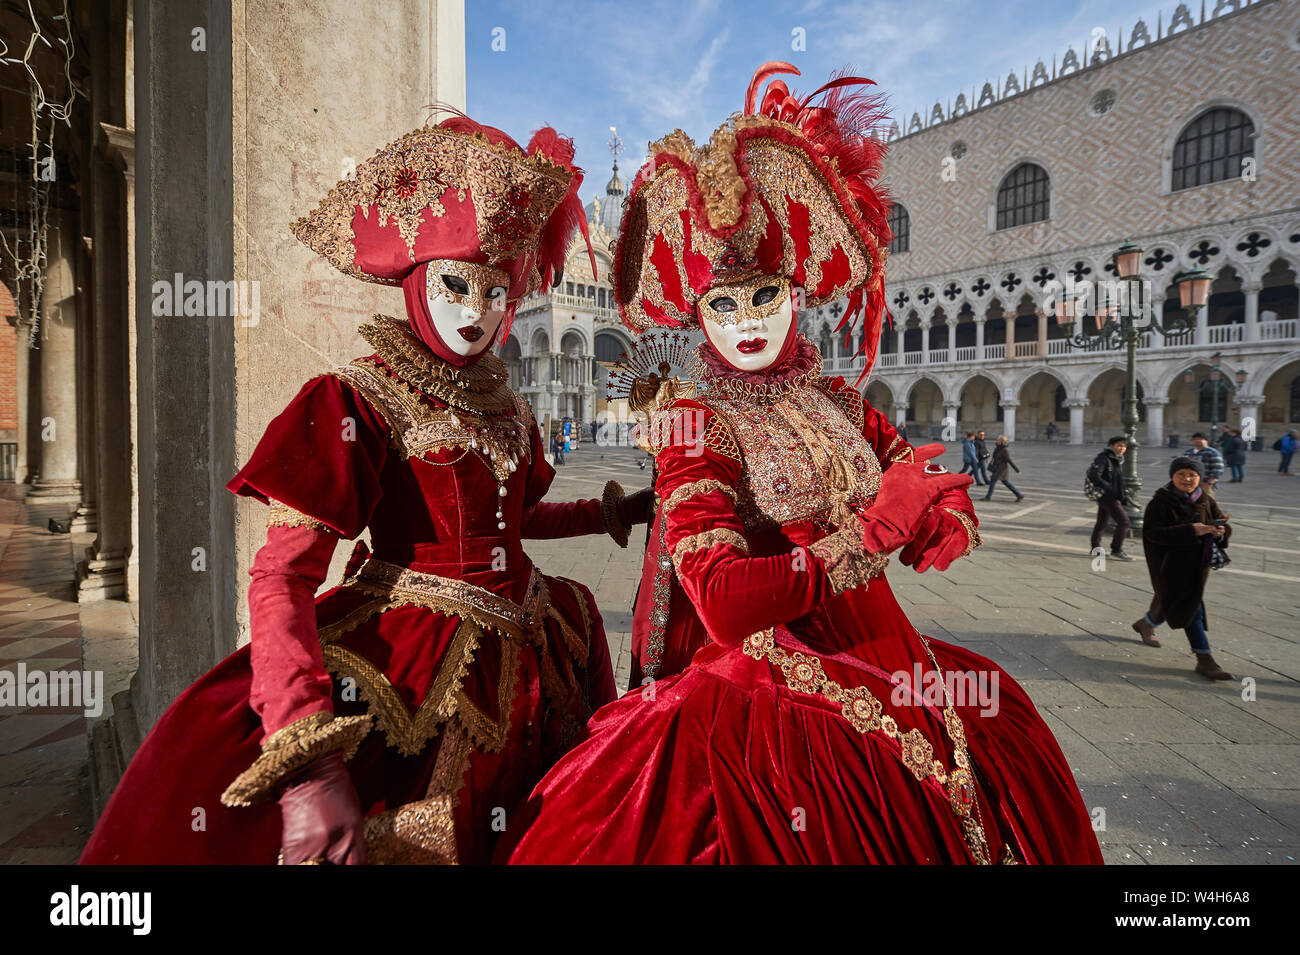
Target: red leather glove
635, 508
903, 503
321, 816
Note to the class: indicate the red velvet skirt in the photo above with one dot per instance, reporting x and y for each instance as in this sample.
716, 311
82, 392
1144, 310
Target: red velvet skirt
810, 748
501, 716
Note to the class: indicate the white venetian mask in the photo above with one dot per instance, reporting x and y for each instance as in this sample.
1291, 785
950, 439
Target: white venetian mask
747, 322
467, 302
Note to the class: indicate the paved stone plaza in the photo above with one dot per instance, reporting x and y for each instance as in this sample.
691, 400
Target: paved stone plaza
1185, 771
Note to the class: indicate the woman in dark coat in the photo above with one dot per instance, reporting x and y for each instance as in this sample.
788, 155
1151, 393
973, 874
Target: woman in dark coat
1234, 455
998, 469
1178, 534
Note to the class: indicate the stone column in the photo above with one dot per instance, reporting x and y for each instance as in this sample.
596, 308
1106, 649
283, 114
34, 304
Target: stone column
1155, 420
103, 573
1009, 418
1042, 333
1252, 311
1203, 324
925, 341
979, 336
901, 334
1076, 406
58, 478
950, 413
952, 338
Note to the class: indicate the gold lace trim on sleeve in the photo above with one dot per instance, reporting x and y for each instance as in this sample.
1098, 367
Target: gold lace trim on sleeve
282, 515
847, 565
288, 750
707, 539
973, 538
696, 489
897, 453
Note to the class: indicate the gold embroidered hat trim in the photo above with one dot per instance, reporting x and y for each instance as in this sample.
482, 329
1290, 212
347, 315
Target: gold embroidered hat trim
405, 184
291, 748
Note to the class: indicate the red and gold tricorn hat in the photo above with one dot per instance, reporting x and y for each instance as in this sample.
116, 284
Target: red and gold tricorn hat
457, 190
786, 188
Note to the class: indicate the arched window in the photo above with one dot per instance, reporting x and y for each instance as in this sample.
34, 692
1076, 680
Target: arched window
600, 297
1295, 399
1211, 147
1024, 196
1213, 399
900, 224
608, 348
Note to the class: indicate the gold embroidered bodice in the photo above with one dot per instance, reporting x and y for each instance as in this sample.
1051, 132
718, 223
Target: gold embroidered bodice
482, 415
803, 458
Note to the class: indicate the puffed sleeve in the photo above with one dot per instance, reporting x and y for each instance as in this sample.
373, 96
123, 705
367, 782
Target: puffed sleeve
735, 594
321, 456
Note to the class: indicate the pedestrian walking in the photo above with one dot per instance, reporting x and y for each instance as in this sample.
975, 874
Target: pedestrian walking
982, 457
1181, 531
1235, 455
557, 449
1051, 431
1001, 462
1210, 458
1107, 476
970, 458
1287, 445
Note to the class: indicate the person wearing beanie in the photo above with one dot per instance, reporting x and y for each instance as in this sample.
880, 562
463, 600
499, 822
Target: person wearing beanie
1180, 529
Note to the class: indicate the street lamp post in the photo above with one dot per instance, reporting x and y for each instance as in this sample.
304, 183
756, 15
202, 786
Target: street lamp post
1119, 324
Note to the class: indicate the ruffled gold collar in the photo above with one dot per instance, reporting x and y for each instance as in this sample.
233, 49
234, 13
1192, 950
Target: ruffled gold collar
802, 369
479, 387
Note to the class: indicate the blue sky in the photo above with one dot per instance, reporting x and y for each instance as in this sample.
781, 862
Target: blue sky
650, 66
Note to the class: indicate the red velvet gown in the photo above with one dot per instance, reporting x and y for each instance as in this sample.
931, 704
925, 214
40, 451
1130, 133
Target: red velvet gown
778, 729
476, 670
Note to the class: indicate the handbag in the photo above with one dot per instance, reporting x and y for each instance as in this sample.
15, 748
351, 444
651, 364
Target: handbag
1218, 557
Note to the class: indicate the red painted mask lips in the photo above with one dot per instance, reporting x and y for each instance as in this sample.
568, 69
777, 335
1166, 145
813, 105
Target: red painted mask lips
471, 333
752, 346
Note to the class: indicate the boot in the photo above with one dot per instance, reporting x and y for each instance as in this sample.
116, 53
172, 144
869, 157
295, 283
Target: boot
1146, 632
1207, 668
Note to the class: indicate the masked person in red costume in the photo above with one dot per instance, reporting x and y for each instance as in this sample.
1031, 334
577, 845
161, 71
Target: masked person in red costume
389, 719
790, 711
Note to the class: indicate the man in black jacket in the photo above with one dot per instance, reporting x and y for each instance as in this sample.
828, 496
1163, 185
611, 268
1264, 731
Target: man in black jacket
1106, 475
982, 453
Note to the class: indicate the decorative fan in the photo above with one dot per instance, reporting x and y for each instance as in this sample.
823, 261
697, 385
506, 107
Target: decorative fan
654, 373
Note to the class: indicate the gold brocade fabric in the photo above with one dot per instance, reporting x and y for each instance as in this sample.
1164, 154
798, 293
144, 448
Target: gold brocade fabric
804, 673
484, 416
804, 459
